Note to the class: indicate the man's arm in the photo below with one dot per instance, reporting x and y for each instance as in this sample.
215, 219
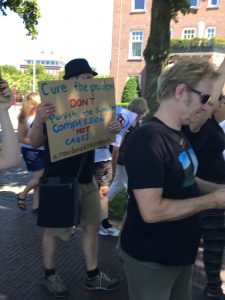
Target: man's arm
153, 208
206, 187
43, 112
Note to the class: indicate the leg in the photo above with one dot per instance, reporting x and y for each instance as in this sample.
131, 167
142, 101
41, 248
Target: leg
49, 247
148, 280
182, 287
32, 184
37, 175
213, 233
119, 182
90, 218
52, 281
104, 203
89, 242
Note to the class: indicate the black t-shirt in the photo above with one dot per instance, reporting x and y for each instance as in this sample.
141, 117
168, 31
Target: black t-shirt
154, 160
208, 144
70, 166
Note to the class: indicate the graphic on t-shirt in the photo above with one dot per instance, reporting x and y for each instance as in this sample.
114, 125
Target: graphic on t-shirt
189, 164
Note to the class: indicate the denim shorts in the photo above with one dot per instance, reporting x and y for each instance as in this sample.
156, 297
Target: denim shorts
33, 158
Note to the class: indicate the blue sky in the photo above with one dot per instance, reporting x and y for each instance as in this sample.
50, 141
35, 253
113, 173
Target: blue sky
69, 28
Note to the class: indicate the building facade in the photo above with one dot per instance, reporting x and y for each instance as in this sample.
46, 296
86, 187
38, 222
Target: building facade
131, 28
51, 63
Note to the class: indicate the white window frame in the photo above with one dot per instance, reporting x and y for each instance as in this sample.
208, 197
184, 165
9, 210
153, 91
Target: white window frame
195, 6
137, 10
207, 32
131, 41
213, 5
186, 29
171, 33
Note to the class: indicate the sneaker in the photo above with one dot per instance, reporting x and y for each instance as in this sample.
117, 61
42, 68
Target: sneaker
55, 286
102, 282
215, 294
113, 231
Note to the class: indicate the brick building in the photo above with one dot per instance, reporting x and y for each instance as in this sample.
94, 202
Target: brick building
131, 27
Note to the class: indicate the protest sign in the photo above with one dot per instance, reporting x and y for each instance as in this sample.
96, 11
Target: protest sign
84, 110
127, 118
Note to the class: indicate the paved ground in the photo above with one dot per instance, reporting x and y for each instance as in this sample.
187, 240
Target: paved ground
20, 255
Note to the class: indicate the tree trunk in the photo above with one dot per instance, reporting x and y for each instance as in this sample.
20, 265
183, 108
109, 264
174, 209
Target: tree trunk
157, 49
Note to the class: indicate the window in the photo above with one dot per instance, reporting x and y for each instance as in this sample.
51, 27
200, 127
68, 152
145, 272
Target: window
189, 33
210, 32
194, 3
138, 5
213, 3
136, 44
171, 33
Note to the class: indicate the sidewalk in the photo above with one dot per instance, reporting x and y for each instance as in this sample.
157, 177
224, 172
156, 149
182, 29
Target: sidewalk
20, 253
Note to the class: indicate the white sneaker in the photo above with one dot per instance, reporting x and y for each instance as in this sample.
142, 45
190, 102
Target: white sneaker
113, 231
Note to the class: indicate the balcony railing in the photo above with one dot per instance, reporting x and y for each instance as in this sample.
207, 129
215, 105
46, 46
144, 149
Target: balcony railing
197, 45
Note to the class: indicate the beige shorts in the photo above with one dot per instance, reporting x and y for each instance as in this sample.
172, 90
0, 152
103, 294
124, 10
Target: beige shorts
90, 212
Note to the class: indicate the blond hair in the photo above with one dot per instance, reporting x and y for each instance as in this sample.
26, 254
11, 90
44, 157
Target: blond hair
29, 105
188, 72
139, 106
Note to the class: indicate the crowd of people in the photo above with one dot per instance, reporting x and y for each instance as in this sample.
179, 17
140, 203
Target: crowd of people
172, 168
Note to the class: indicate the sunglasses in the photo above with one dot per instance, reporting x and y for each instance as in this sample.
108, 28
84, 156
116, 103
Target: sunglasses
205, 97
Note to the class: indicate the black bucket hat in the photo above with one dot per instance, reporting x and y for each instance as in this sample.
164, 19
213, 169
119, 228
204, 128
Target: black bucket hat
76, 67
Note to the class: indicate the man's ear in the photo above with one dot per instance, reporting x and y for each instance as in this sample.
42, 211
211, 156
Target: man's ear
180, 90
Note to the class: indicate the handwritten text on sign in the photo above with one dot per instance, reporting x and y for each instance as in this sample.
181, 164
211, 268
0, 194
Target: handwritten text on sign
84, 109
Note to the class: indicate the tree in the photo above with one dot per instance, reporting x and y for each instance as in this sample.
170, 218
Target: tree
131, 90
28, 10
158, 44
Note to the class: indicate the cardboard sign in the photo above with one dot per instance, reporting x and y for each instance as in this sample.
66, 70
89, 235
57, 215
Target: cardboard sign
84, 110
127, 118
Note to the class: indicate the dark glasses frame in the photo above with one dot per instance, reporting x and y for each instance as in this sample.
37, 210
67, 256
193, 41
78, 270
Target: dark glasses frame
205, 97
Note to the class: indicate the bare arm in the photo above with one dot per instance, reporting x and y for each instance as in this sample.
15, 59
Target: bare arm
115, 155
206, 187
43, 112
22, 133
10, 152
153, 208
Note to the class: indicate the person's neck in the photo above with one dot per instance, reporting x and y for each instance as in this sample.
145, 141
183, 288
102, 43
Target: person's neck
168, 116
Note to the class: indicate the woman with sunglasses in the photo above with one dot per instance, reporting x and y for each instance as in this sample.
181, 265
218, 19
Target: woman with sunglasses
208, 141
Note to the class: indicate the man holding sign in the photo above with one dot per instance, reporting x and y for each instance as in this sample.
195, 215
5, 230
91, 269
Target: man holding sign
90, 216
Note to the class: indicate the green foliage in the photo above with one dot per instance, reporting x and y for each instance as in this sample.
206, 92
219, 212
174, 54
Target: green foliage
196, 42
122, 104
131, 90
28, 10
118, 205
24, 81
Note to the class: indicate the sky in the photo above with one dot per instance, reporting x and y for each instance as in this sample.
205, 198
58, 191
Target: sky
69, 28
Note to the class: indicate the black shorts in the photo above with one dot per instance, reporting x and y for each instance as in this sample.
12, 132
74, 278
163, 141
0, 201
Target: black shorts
103, 172
34, 158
